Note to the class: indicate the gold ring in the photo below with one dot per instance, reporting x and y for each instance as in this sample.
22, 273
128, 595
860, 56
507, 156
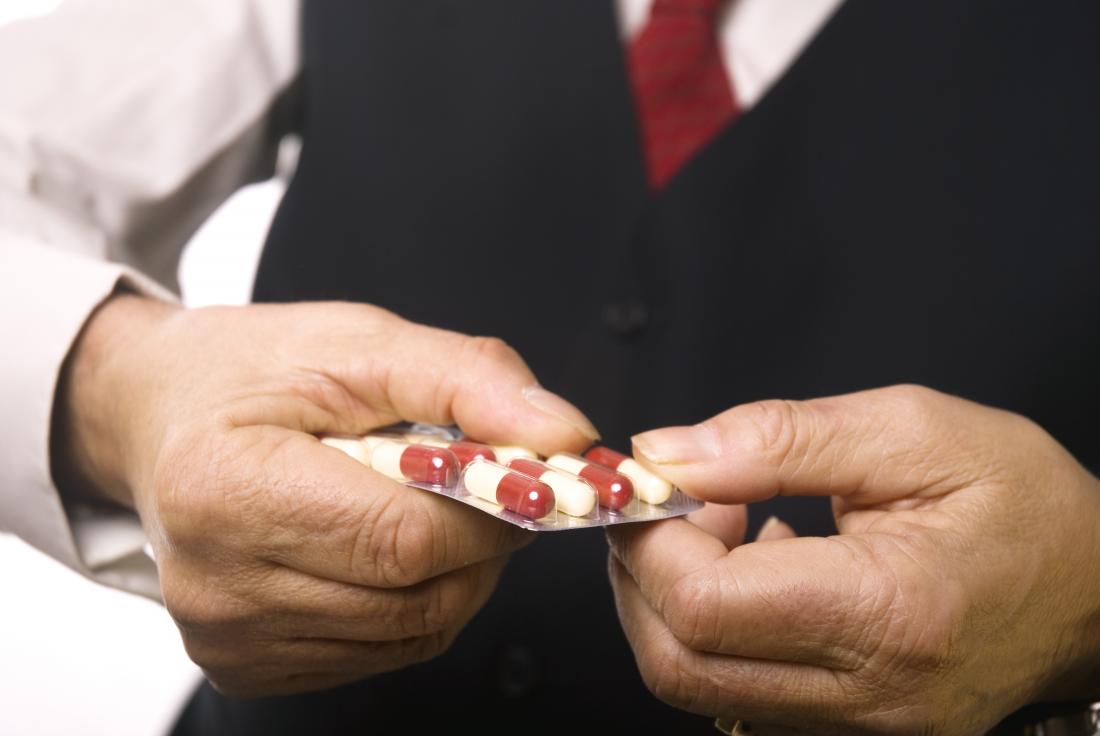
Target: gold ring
736, 728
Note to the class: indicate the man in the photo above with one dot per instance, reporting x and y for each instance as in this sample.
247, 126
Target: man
873, 219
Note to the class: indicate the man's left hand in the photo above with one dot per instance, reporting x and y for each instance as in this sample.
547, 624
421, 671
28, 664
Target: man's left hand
964, 583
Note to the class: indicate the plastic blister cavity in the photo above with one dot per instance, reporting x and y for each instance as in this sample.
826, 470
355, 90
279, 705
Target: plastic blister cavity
436, 467
464, 450
562, 493
517, 493
614, 491
576, 497
648, 486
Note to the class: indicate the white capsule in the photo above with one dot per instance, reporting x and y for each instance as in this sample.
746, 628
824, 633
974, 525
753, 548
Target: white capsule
649, 487
575, 496
482, 479
507, 453
386, 459
353, 447
568, 463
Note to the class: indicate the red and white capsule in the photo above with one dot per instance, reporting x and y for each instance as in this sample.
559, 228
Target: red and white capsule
435, 466
575, 496
465, 451
514, 491
650, 487
615, 490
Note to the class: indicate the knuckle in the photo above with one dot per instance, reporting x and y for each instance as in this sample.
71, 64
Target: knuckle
223, 683
324, 390
448, 601
179, 479
914, 718
211, 622
350, 321
665, 684
212, 653
691, 614
200, 616
914, 404
491, 350
441, 642
777, 423
928, 650
423, 648
192, 608
653, 667
426, 612
199, 486
401, 544
211, 658
914, 393
232, 684
1023, 431
359, 313
669, 678
435, 613
878, 605
913, 621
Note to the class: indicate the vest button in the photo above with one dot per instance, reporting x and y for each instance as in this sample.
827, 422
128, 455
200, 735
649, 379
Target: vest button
626, 318
517, 671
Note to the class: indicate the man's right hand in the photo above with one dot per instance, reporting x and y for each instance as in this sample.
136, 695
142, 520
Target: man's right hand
287, 565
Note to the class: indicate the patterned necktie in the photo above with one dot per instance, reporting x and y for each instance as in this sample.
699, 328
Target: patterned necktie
681, 91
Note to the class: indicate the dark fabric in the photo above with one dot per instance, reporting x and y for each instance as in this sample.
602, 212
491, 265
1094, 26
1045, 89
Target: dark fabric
916, 200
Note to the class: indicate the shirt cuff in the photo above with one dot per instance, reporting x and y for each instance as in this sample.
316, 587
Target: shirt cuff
46, 296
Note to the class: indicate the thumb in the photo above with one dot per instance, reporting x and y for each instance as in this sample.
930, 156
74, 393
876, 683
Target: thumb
871, 447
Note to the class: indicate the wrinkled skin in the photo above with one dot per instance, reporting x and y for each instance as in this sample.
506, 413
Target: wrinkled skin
963, 584
287, 565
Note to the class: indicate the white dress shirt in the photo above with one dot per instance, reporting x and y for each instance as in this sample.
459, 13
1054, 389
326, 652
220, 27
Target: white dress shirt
123, 125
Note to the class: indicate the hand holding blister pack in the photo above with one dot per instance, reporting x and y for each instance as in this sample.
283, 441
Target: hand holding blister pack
514, 484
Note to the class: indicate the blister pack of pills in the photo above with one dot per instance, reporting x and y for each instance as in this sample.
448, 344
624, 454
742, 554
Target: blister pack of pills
514, 484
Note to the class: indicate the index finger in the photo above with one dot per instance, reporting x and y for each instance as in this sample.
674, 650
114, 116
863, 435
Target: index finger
662, 554
810, 600
412, 372
314, 509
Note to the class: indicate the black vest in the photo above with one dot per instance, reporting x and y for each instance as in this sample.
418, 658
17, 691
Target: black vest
917, 199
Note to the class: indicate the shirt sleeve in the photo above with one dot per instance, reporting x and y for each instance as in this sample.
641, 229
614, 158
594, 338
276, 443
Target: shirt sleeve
46, 295
127, 124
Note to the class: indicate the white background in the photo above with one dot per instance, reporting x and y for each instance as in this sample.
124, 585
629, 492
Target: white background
77, 658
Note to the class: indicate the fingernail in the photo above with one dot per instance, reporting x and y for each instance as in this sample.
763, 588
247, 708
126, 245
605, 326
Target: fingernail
768, 528
679, 445
557, 407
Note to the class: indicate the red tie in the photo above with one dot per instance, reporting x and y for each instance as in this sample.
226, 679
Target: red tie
681, 89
